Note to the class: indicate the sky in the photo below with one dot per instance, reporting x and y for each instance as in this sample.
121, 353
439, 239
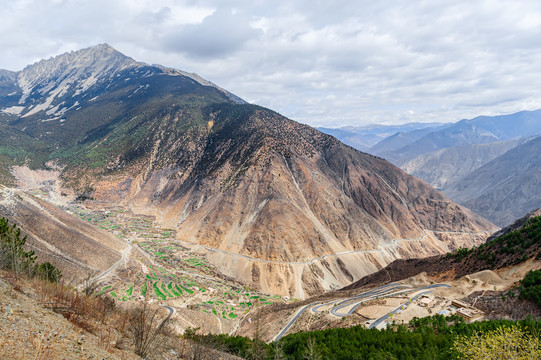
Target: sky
323, 63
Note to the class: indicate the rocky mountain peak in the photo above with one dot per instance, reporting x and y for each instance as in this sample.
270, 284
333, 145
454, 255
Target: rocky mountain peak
89, 57
75, 70
49, 88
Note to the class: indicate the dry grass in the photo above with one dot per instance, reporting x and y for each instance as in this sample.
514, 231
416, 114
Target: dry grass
98, 323
95, 314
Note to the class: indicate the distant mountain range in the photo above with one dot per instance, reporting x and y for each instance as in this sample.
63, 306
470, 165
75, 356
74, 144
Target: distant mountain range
449, 156
280, 206
365, 138
445, 167
505, 188
481, 130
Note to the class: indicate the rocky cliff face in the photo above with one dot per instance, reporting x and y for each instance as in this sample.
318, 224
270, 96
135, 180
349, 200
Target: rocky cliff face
277, 204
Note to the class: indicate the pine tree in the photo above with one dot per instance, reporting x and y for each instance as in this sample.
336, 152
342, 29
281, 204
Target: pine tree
12, 254
14, 258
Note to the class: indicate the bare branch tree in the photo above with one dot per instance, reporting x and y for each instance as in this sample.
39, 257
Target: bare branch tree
90, 285
146, 328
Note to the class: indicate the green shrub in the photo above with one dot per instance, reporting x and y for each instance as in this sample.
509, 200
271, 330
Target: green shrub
48, 272
425, 338
531, 287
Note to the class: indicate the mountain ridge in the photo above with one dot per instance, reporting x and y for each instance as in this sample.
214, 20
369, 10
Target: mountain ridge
241, 179
513, 187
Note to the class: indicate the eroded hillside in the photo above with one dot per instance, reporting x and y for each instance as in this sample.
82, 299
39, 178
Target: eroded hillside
278, 205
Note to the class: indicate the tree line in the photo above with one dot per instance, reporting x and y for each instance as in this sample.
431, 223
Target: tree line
435, 337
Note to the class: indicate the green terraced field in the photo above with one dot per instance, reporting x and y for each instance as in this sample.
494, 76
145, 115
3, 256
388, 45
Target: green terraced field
178, 289
157, 291
144, 289
187, 290
172, 289
104, 289
164, 290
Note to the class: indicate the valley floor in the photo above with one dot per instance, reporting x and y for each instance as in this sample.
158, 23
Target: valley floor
169, 272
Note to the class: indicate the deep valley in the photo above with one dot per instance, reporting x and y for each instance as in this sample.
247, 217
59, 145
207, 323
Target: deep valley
148, 187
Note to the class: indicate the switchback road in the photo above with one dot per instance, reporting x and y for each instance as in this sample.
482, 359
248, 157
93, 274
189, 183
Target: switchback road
405, 305
357, 300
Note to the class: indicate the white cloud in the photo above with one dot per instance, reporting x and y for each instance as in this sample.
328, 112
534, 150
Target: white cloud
318, 62
219, 34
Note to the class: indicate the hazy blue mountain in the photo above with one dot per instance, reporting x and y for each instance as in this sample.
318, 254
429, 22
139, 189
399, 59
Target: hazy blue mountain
364, 137
506, 188
480, 130
441, 168
401, 139
520, 124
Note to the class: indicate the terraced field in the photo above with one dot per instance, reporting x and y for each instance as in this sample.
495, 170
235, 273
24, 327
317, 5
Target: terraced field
169, 272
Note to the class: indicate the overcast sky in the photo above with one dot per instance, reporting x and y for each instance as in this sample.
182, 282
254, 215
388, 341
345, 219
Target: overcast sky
327, 63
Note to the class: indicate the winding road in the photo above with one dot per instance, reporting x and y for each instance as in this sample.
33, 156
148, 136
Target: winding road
361, 299
108, 271
378, 290
286, 328
357, 300
380, 248
386, 316
171, 312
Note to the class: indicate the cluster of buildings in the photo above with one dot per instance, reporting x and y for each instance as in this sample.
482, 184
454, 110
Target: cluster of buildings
456, 307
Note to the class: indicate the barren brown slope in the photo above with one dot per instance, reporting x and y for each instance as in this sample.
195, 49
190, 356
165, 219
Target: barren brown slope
278, 204
79, 249
289, 209
515, 244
